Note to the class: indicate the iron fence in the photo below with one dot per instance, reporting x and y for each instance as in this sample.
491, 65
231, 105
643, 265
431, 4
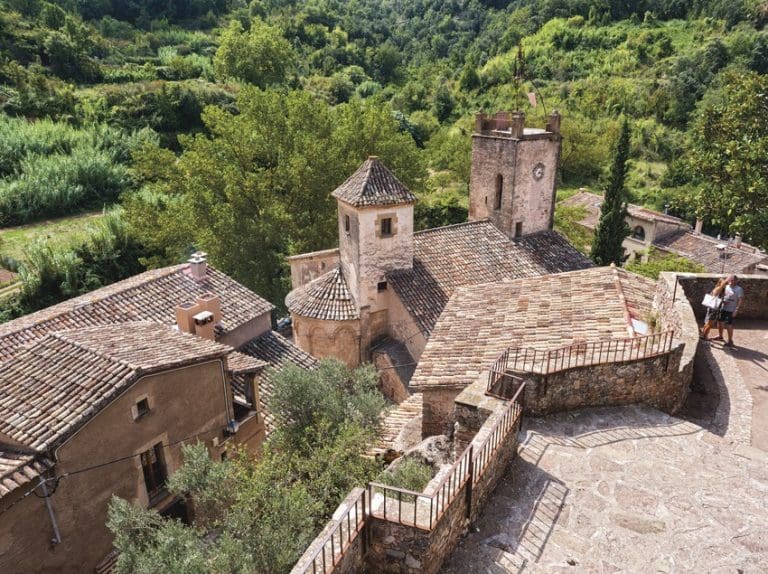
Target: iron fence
332, 546
548, 361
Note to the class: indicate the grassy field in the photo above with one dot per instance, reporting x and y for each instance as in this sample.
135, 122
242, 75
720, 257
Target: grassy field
65, 231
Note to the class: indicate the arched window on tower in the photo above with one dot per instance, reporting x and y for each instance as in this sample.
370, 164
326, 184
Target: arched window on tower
638, 233
499, 191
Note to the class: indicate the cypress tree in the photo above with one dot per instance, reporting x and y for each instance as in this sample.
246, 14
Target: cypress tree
612, 227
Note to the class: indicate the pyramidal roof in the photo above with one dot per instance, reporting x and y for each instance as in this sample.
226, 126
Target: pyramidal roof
327, 297
373, 184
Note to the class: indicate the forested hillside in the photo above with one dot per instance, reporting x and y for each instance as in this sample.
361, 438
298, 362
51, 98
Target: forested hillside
224, 124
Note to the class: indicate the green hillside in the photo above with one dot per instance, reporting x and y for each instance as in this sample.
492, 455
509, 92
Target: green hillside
254, 111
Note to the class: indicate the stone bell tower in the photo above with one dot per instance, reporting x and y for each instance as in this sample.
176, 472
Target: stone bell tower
513, 177
375, 214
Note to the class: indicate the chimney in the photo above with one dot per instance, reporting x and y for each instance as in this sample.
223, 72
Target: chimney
210, 302
198, 265
699, 225
737, 241
204, 325
553, 122
184, 317
517, 124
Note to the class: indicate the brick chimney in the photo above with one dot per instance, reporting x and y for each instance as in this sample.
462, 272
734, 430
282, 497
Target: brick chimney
198, 265
210, 302
204, 325
184, 317
699, 225
737, 241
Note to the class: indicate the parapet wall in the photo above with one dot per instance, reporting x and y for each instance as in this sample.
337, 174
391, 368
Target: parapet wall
654, 381
695, 286
405, 532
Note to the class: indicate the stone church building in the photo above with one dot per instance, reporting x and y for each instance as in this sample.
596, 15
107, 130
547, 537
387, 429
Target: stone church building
385, 286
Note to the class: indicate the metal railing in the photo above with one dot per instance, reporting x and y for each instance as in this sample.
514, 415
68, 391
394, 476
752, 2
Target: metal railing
509, 421
548, 361
417, 508
332, 546
425, 510
408, 507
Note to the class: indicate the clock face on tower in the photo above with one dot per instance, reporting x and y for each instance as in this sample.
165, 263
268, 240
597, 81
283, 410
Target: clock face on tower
538, 171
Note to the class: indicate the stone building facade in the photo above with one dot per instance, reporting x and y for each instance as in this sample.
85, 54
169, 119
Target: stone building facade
100, 393
388, 284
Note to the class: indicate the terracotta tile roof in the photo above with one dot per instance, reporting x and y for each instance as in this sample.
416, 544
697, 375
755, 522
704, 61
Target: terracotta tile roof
393, 422
238, 363
373, 184
275, 350
150, 296
327, 297
471, 253
547, 312
592, 202
18, 469
51, 388
702, 249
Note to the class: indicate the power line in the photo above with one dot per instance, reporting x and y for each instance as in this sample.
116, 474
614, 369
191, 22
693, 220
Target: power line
55, 480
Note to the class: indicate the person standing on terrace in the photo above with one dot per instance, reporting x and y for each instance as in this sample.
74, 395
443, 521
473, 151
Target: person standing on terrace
733, 297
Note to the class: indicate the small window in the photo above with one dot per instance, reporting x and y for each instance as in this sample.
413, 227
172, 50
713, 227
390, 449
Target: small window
386, 227
142, 408
518, 229
382, 286
346, 223
638, 233
499, 191
155, 475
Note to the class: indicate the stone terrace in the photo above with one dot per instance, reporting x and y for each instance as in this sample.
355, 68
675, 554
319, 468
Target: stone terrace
636, 490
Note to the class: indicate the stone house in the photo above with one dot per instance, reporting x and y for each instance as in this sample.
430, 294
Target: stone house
99, 394
380, 293
671, 235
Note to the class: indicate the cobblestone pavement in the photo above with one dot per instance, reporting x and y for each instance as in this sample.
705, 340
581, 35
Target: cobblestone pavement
749, 363
623, 490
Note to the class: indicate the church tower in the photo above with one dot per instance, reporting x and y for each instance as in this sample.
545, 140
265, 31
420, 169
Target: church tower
375, 214
513, 177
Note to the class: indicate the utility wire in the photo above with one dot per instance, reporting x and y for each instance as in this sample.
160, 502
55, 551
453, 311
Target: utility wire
55, 480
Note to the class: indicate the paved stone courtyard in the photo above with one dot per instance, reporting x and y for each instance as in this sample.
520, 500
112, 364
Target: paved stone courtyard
634, 490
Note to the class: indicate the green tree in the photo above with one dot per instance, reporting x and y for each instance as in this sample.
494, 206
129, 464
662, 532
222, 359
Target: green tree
259, 515
727, 157
260, 56
656, 264
258, 187
327, 397
612, 227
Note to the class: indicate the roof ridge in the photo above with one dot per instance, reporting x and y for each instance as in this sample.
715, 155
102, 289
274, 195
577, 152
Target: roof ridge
69, 305
622, 299
463, 223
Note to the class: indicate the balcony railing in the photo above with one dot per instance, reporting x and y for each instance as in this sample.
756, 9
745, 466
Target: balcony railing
548, 361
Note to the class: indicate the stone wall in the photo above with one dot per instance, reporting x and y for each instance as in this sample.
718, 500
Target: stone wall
353, 556
400, 549
309, 266
437, 417
695, 286
657, 381
390, 547
319, 338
